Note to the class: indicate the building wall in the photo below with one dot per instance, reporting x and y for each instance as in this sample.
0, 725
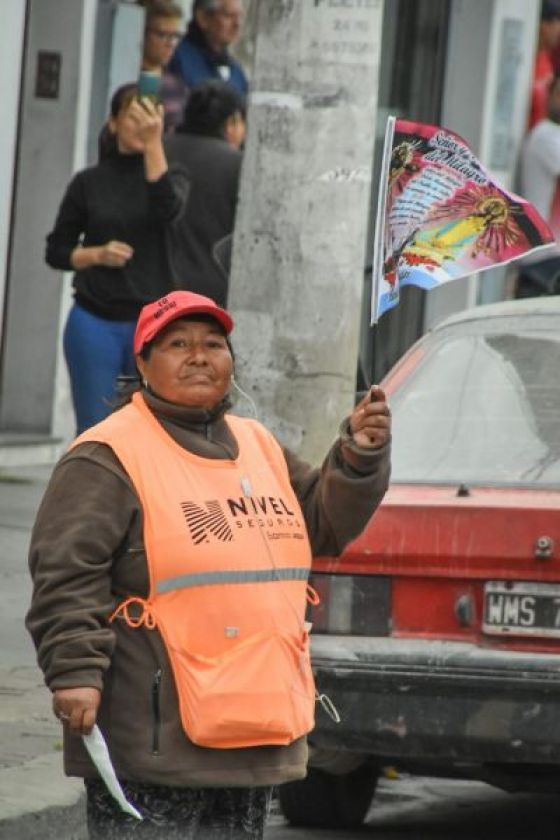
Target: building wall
55, 129
44, 166
11, 57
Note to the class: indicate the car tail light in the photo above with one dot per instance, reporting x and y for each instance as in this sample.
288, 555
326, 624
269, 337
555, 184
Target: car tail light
353, 605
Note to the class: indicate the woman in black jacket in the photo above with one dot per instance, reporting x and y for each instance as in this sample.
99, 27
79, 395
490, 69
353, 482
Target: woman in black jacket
110, 230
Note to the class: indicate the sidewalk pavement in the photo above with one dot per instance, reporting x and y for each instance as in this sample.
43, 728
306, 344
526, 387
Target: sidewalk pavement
36, 799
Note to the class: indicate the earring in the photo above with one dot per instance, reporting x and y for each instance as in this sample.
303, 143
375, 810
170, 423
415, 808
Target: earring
145, 383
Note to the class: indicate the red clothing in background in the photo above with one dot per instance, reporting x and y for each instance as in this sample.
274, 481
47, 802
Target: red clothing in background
542, 76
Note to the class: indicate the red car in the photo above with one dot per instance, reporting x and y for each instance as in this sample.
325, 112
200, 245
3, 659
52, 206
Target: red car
436, 645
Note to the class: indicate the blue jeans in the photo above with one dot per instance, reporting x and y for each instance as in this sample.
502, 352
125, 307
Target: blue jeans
97, 351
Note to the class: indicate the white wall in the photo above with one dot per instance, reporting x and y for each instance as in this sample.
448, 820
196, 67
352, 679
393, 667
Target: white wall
43, 169
11, 56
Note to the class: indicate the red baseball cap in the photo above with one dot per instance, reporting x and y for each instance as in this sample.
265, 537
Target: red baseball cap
155, 316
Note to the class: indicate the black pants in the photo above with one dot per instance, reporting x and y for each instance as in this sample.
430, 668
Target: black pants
177, 813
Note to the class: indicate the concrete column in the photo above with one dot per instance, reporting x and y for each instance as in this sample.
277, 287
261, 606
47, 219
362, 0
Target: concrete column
301, 231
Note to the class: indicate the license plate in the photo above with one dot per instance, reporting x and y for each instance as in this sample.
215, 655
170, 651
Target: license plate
528, 609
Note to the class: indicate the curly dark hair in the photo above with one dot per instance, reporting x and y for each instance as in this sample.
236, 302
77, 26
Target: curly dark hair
209, 105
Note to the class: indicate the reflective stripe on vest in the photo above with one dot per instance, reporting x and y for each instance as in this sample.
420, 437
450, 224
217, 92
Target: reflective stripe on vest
239, 653
248, 576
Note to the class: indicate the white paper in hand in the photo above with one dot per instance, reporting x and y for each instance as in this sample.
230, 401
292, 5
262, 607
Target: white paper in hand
97, 748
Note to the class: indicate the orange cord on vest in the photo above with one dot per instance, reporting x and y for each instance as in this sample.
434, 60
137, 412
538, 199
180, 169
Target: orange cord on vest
312, 596
146, 618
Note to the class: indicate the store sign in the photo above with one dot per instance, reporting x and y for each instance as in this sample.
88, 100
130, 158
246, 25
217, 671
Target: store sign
342, 31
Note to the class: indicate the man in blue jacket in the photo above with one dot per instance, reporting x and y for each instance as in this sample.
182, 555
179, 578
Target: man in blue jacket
203, 52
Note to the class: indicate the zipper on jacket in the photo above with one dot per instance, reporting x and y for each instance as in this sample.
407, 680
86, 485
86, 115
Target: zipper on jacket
156, 685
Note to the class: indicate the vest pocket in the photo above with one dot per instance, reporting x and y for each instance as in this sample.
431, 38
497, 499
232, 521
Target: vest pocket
156, 711
259, 692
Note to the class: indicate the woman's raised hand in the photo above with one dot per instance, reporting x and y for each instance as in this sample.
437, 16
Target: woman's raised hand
148, 116
370, 422
149, 119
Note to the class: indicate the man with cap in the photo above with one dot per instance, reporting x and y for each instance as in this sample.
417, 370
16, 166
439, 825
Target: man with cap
170, 558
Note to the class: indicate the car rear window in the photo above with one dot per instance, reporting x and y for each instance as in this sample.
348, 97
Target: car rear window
482, 406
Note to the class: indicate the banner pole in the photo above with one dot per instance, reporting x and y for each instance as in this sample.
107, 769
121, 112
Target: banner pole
378, 237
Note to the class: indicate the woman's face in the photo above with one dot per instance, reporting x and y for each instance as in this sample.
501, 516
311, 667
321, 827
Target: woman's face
127, 132
190, 364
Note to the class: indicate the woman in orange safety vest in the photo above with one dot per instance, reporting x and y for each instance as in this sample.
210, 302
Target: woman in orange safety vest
170, 559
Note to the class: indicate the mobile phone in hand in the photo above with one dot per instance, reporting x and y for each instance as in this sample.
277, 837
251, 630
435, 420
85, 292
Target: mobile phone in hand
149, 85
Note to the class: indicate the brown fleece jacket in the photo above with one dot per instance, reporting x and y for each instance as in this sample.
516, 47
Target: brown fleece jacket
87, 554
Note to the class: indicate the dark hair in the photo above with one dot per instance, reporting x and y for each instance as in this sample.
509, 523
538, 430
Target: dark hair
209, 106
121, 98
161, 9
550, 10
207, 6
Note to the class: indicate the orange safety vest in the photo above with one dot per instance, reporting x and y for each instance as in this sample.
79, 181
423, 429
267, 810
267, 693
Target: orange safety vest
228, 557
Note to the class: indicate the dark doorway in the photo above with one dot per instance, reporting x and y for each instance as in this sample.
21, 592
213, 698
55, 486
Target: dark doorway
413, 56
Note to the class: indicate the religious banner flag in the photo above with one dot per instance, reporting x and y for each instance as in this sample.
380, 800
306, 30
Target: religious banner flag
441, 215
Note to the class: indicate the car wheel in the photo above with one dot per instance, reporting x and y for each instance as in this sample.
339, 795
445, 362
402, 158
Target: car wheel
322, 800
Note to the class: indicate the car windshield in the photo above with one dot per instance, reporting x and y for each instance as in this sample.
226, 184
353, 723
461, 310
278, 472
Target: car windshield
482, 406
